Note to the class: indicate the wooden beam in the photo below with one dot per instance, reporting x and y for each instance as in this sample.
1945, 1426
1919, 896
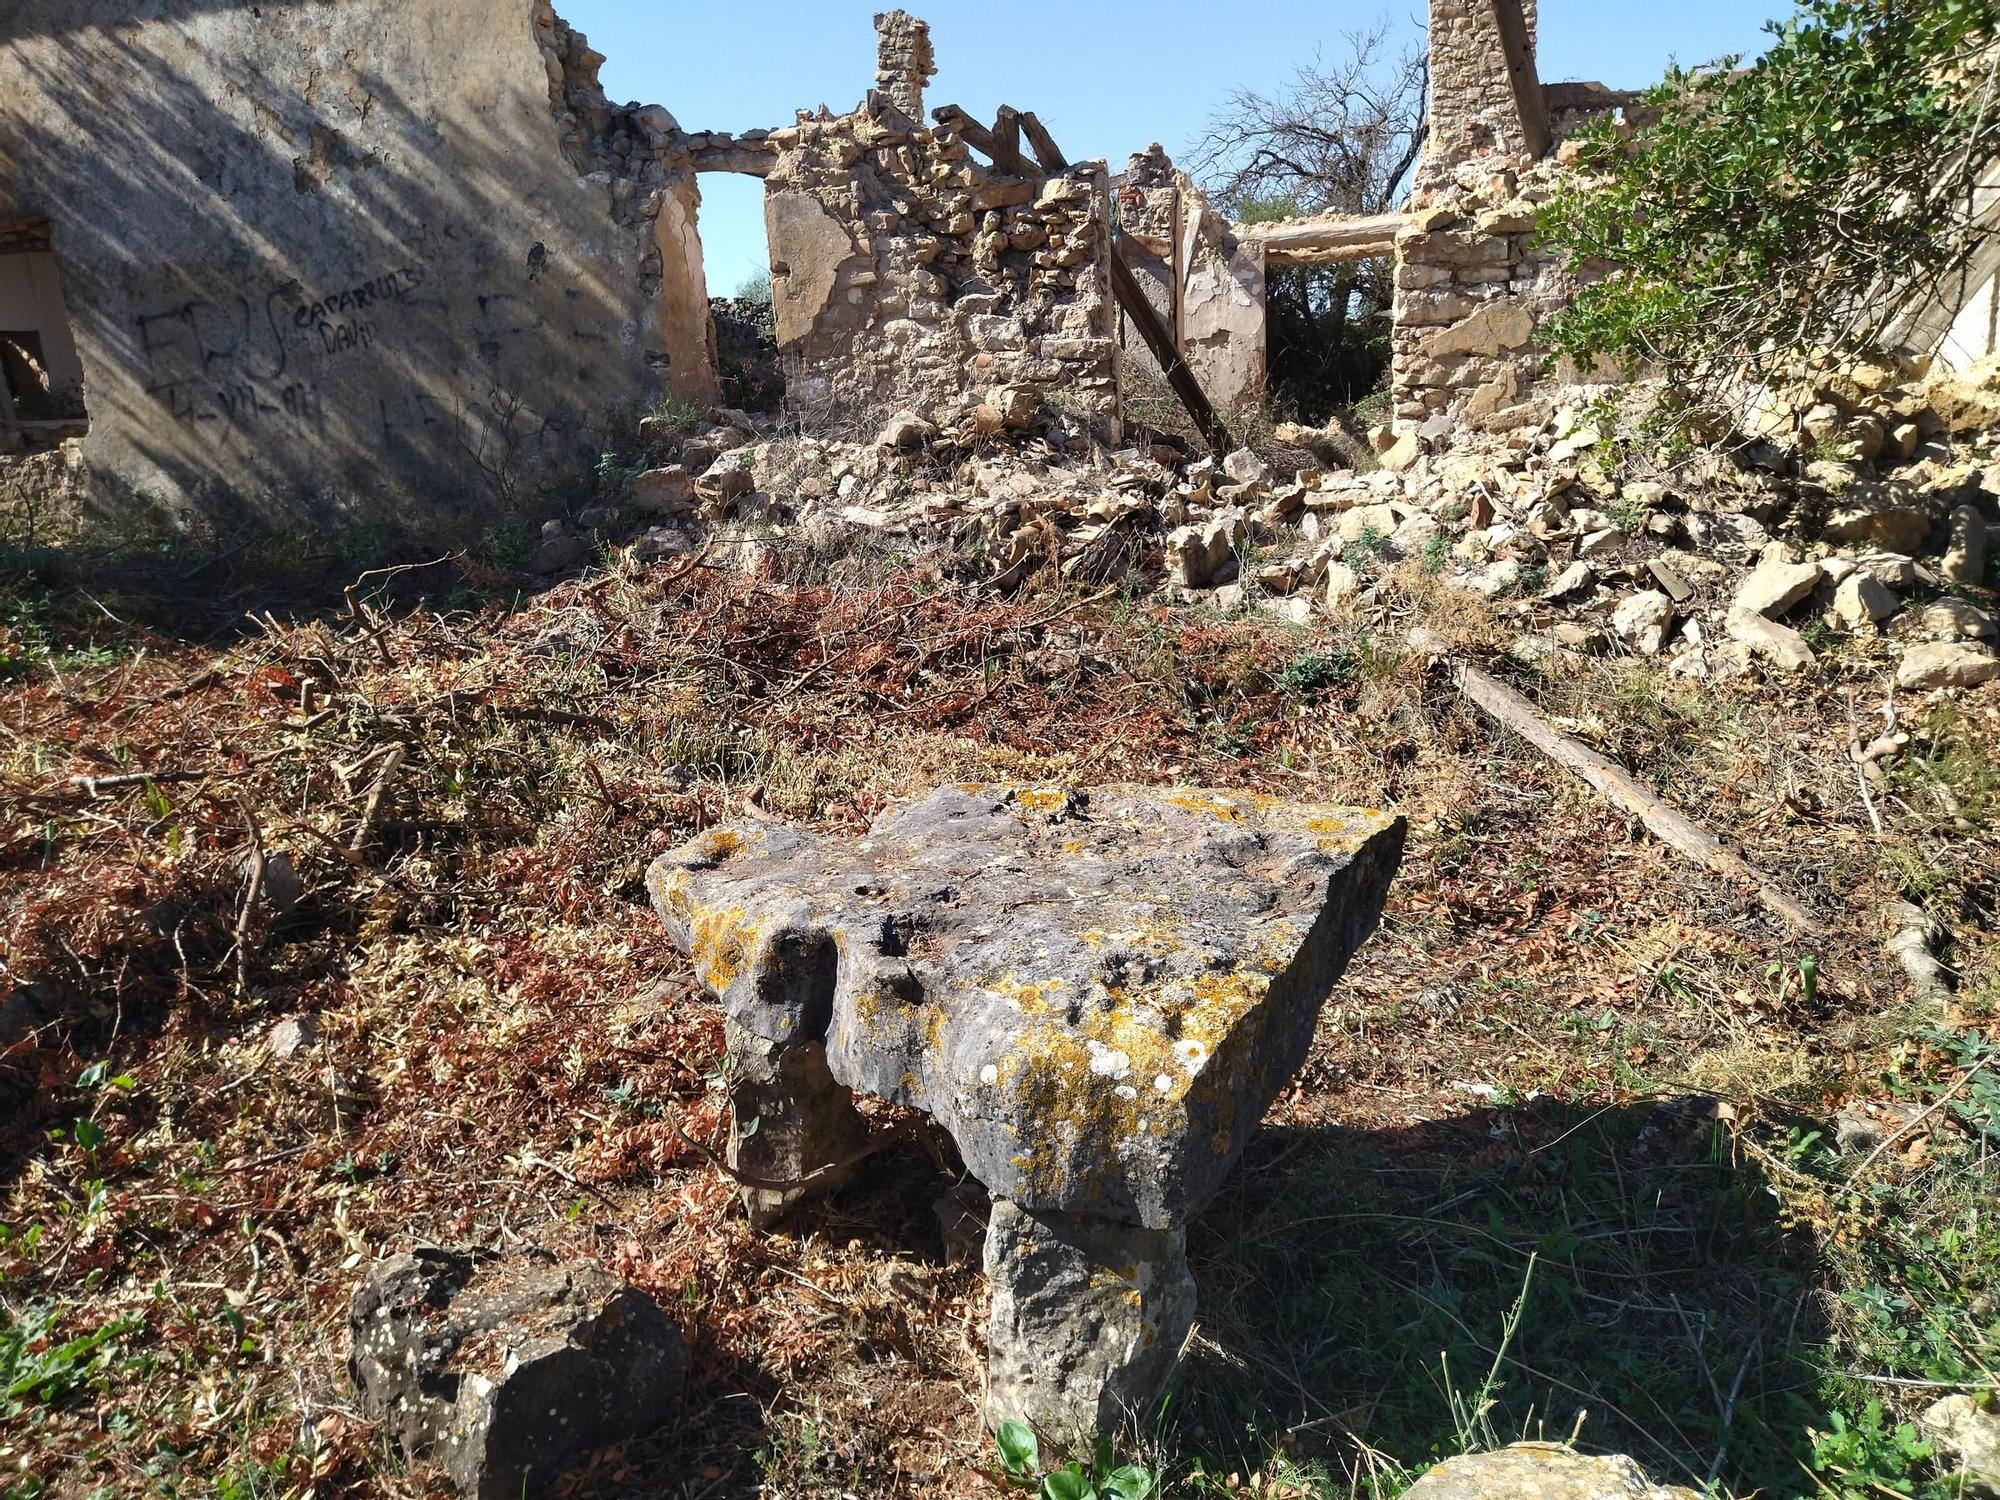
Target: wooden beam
1325, 241
1007, 158
1007, 140
1132, 297
1047, 152
1618, 786
1517, 49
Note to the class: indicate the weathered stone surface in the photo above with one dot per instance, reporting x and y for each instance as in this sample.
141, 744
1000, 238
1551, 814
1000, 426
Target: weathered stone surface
905, 430
1088, 1319
1775, 587
1096, 994
1778, 644
1245, 467
340, 261
1959, 619
1880, 523
1946, 664
1541, 1471
1861, 600
508, 1370
1341, 583
1494, 329
1402, 453
809, 249
1198, 556
664, 491
1965, 550
1968, 1436
1643, 621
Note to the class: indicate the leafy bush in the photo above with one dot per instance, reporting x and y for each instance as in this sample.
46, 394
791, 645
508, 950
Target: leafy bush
1807, 202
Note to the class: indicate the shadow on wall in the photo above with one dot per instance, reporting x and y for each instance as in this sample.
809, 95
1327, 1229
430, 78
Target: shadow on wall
306, 293
55, 20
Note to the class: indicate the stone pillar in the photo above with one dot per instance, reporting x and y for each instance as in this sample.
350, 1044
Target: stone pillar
1486, 96
904, 64
791, 1126
686, 331
1088, 1320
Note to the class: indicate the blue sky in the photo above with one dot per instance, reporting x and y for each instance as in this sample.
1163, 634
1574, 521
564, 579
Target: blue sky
1108, 77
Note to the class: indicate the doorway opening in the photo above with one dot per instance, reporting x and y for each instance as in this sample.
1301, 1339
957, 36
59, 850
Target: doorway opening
41, 372
736, 247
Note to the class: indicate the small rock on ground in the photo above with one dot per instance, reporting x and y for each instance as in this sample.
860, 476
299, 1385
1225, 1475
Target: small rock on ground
509, 1369
1541, 1471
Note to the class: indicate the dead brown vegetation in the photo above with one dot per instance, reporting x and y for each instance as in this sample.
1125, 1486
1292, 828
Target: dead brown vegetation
504, 1047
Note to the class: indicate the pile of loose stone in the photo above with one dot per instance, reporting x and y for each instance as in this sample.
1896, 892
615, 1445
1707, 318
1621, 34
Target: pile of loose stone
1872, 524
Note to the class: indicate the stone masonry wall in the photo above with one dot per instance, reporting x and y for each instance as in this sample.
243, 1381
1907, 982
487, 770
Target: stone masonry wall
1473, 103
905, 63
340, 260
1471, 285
1470, 292
906, 275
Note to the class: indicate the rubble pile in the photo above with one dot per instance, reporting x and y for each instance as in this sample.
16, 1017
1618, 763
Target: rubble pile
1863, 520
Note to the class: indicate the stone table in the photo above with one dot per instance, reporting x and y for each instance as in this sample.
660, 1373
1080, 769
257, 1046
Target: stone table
1096, 994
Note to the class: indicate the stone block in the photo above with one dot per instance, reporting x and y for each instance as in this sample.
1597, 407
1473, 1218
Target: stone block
509, 1369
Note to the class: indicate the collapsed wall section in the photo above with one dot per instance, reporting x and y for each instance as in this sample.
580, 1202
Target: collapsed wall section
1206, 285
341, 260
907, 275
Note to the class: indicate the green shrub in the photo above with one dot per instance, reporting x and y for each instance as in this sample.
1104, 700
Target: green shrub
1803, 203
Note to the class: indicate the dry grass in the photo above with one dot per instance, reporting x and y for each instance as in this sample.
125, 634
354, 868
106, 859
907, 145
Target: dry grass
505, 1044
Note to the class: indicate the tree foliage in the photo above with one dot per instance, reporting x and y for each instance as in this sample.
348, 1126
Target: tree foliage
1813, 200
1340, 137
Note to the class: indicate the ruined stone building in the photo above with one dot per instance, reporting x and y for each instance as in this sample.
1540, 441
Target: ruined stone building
322, 262
332, 261
317, 261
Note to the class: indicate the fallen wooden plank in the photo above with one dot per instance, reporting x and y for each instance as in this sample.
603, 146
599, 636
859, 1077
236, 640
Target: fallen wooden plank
1325, 240
1672, 828
1132, 297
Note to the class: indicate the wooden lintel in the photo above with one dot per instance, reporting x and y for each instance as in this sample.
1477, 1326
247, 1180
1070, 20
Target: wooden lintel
1325, 241
748, 161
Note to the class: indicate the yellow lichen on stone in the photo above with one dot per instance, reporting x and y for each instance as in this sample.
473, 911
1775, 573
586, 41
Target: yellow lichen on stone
1210, 804
1218, 1002
676, 894
1032, 999
1041, 799
720, 939
720, 844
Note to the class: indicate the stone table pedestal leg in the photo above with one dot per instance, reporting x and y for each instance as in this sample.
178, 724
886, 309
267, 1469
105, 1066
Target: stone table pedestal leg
789, 1120
1089, 1316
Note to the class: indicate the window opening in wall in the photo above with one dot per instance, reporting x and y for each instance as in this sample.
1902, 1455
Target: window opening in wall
41, 373
737, 251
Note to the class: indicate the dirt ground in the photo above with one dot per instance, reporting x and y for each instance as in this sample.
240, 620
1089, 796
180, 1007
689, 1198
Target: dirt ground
1563, 1155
